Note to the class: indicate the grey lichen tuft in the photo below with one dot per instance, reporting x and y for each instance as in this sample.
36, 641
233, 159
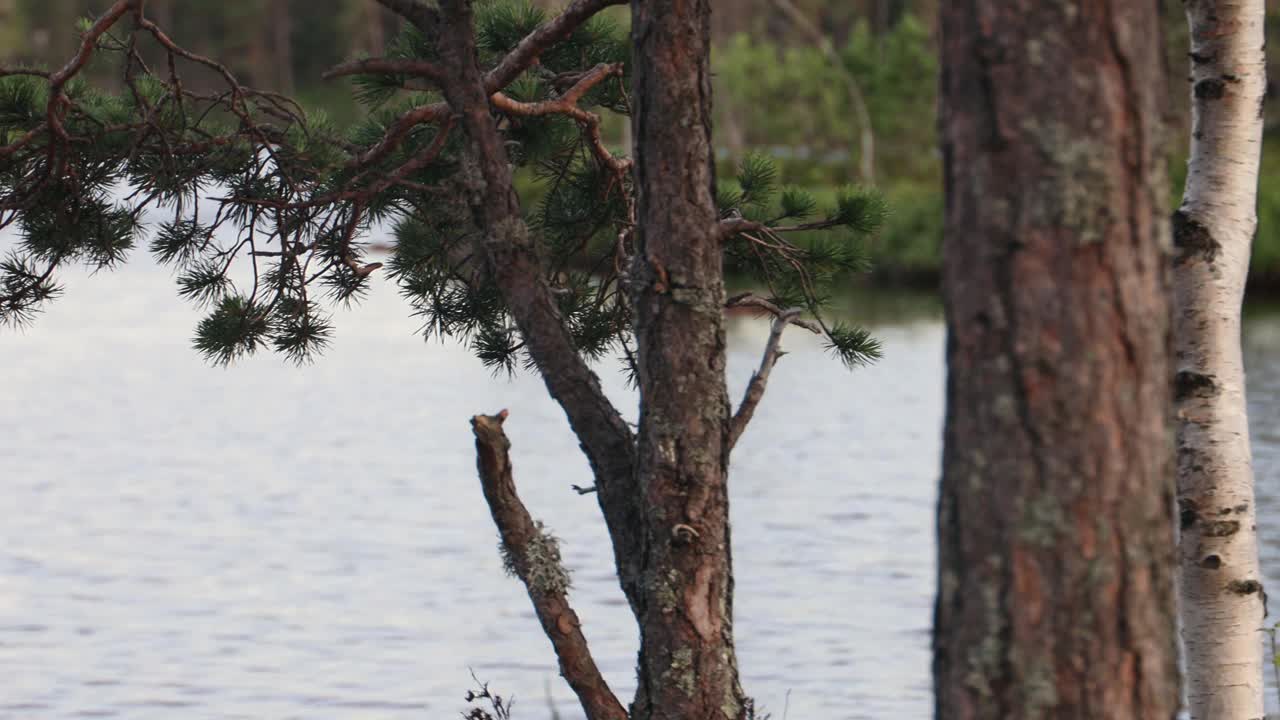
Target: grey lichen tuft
546, 574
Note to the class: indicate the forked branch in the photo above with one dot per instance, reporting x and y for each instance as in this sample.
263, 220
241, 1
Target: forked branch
760, 378
531, 554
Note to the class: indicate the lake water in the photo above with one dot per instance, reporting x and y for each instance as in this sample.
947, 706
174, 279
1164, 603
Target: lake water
264, 541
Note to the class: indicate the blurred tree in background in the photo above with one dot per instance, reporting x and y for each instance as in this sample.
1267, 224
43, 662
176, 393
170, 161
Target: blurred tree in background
776, 90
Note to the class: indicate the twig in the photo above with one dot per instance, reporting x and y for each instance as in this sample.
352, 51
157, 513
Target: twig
737, 226
759, 379
752, 300
416, 68
519, 534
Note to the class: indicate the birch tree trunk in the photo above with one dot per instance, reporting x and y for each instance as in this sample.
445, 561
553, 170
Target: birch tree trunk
1055, 522
1222, 599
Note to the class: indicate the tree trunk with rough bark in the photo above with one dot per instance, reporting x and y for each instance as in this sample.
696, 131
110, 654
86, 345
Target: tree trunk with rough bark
663, 490
1055, 518
687, 662
1223, 603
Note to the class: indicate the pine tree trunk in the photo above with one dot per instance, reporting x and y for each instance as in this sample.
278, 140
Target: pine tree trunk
687, 662
1222, 598
1055, 515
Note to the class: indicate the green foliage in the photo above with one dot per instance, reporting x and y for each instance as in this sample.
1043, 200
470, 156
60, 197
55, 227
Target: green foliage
800, 274
237, 327
502, 24
809, 101
861, 209
253, 182
22, 102
854, 346
66, 225
204, 282
299, 330
372, 90
178, 242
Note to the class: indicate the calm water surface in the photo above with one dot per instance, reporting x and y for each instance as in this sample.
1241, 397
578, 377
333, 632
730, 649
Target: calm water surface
271, 542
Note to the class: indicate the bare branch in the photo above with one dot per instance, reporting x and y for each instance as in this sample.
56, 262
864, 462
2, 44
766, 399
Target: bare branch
516, 268
759, 379
753, 300
416, 68
533, 557
90, 42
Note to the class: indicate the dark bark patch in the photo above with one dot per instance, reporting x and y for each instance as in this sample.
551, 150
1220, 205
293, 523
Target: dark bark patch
1202, 58
1242, 508
1192, 239
1212, 562
1221, 528
1211, 89
1244, 587
1187, 384
1186, 513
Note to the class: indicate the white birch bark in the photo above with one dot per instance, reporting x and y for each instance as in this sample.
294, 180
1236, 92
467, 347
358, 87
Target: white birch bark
1220, 581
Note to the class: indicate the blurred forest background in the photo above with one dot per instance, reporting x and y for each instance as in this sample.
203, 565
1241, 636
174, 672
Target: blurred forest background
803, 80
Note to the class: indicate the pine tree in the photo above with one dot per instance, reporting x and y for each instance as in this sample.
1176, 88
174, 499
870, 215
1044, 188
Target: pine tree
1055, 518
267, 209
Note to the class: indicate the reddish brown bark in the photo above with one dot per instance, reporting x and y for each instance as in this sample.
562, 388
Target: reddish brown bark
532, 555
512, 258
663, 490
687, 663
1055, 523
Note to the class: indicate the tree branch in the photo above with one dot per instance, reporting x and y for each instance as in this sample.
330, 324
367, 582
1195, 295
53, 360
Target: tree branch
759, 379
516, 268
753, 300
423, 16
416, 68
402, 126
730, 227
566, 104
502, 75
533, 556
538, 41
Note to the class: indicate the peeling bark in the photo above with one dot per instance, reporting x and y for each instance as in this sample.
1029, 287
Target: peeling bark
1055, 513
1223, 602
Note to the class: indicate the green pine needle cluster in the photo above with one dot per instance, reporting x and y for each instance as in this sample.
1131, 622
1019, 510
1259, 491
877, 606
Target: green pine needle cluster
250, 180
828, 244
